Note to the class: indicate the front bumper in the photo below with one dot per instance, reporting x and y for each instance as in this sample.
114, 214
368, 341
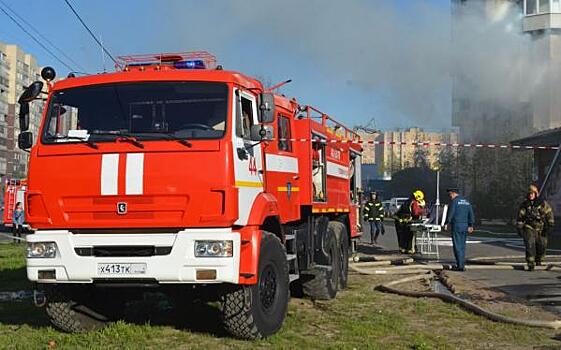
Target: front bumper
179, 266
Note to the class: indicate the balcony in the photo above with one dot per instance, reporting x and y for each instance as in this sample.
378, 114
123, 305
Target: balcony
541, 15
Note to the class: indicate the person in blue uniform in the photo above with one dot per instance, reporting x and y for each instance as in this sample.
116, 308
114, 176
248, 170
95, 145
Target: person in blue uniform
459, 220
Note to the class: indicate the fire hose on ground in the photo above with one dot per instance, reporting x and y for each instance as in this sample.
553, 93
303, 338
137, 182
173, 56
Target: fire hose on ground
426, 272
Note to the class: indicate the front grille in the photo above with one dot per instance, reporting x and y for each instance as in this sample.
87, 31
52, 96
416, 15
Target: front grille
122, 251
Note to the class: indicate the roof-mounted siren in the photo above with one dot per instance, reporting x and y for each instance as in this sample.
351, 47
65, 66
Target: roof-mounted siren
167, 61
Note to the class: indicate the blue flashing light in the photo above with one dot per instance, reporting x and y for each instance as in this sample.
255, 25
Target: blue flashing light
194, 64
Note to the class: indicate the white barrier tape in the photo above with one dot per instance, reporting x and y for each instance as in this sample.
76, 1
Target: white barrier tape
39, 298
12, 237
16, 296
423, 144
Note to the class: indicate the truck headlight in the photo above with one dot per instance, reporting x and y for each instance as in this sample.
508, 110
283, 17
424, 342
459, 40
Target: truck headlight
41, 249
214, 249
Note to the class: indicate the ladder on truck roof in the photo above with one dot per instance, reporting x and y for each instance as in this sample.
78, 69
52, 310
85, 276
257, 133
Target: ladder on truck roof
329, 122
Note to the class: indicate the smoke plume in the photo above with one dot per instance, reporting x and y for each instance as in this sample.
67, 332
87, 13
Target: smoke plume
406, 53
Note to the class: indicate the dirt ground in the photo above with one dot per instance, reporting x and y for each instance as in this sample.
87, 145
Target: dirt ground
494, 300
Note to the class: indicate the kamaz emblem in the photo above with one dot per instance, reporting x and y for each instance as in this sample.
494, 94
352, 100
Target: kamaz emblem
121, 208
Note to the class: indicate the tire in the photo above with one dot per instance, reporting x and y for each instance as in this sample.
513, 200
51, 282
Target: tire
322, 282
259, 310
343, 243
70, 315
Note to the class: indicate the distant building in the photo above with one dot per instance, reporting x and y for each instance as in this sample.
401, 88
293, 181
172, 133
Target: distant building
17, 70
369, 149
391, 158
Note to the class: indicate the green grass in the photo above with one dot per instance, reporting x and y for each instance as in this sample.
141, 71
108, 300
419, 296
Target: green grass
359, 318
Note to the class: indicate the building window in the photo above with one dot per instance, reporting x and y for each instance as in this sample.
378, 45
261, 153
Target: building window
544, 6
284, 134
534, 7
531, 7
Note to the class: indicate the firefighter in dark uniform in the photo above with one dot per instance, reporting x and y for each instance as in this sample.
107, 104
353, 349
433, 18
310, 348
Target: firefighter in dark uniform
409, 211
374, 216
534, 223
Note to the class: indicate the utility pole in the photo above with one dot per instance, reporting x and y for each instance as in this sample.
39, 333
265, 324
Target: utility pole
437, 203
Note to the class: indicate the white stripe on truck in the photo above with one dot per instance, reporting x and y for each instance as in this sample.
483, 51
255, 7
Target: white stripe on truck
134, 177
109, 174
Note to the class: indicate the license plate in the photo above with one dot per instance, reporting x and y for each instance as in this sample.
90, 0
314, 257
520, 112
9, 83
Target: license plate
121, 269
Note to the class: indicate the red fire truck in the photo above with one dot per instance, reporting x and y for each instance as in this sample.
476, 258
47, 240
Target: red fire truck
176, 174
14, 192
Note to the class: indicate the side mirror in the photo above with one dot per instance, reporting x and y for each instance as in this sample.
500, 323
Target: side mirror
266, 108
24, 116
31, 92
261, 133
25, 140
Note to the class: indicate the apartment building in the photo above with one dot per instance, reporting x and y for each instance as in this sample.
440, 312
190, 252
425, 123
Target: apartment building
18, 69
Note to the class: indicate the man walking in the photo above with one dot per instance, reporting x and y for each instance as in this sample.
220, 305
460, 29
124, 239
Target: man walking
374, 215
460, 220
535, 221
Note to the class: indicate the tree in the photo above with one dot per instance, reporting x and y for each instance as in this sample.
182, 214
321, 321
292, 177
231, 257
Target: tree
406, 181
420, 158
494, 180
447, 162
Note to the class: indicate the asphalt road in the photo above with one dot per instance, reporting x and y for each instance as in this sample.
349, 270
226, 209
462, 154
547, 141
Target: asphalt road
540, 287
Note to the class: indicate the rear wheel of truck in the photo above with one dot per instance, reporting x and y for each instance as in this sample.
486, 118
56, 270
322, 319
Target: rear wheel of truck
322, 281
343, 242
73, 311
257, 311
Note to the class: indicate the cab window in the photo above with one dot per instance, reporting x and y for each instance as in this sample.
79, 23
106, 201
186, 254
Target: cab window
284, 134
247, 117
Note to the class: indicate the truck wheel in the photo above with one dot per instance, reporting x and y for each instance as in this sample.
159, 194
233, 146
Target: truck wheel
70, 315
343, 242
322, 281
257, 311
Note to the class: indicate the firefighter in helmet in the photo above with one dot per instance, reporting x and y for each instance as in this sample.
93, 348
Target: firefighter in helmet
374, 216
534, 223
411, 210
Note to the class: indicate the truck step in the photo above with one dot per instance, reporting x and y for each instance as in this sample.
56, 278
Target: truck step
293, 277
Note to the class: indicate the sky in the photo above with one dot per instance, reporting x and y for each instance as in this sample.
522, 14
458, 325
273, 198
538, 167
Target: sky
354, 59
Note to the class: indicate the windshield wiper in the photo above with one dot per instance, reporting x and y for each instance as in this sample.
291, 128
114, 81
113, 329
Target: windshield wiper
86, 141
123, 137
168, 136
181, 140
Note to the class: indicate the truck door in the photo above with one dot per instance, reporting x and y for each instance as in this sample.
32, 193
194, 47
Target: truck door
355, 191
283, 179
248, 162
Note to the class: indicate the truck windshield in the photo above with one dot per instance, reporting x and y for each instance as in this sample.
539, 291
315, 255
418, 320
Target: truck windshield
146, 111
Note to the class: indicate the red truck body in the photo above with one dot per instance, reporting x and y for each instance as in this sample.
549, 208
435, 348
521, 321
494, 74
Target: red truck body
169, 184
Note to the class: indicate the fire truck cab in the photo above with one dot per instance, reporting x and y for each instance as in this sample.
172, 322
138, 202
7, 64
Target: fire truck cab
174, 173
